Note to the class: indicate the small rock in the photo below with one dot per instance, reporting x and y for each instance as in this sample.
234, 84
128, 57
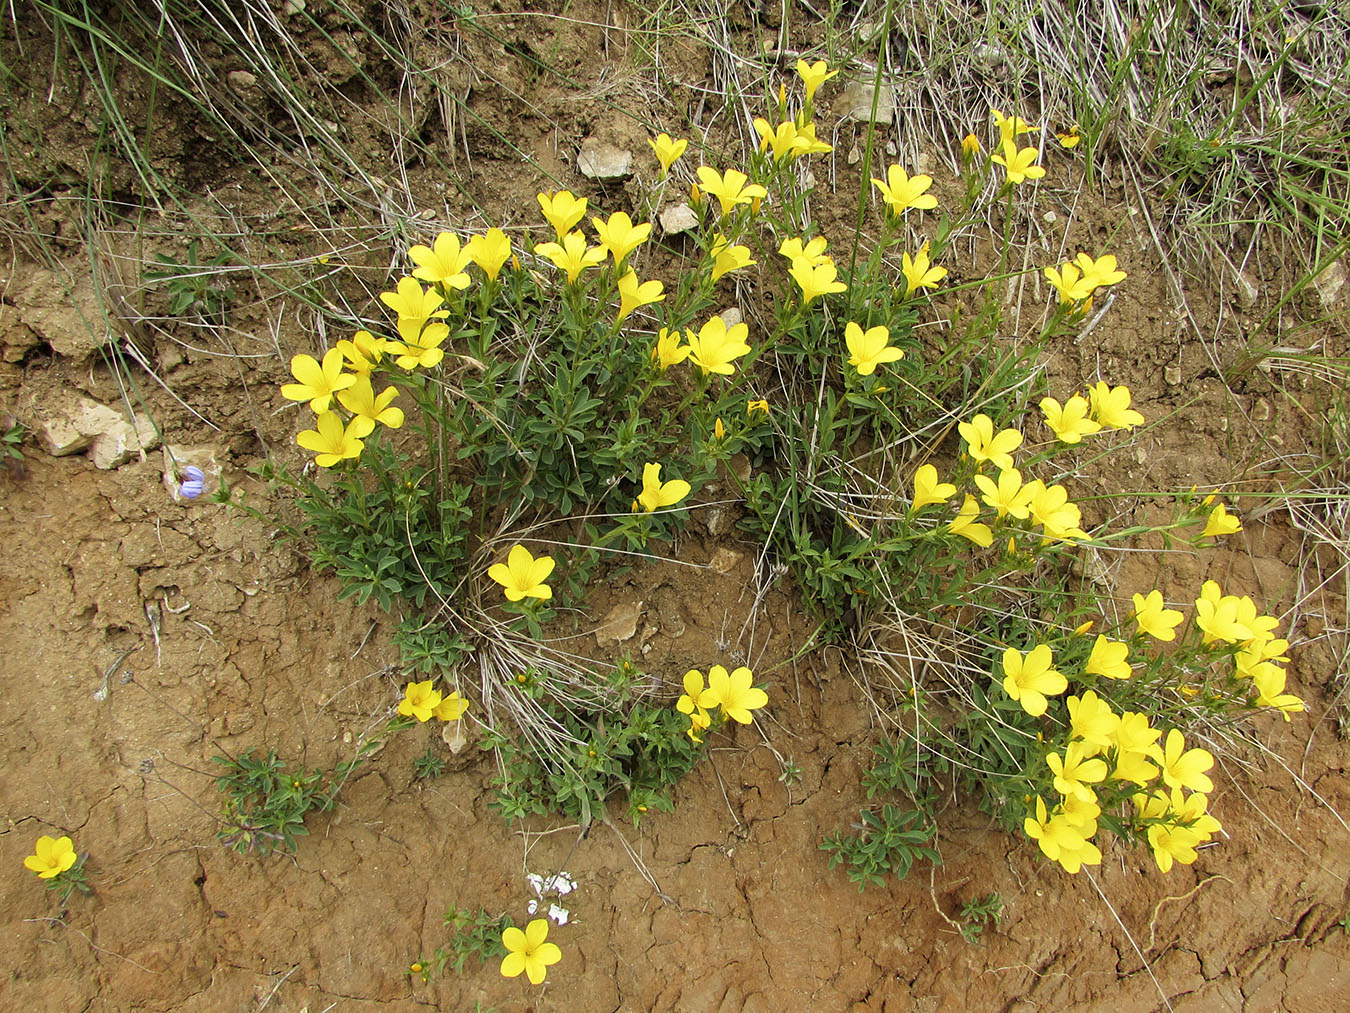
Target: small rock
293, 7
176, 458
454, 736
731, 316
1261, 410
724, 560
117, 444
1172, 374
740, 467
854, 155
619, 624
1246, 289
60, 438
856, 102
241, 80
678, 218
1050, 218
603, 161
718, 519
1329, 283
105, 432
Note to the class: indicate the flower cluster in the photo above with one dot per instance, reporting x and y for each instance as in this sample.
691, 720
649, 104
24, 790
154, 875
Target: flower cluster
734, 694
1077, 279
422, 702
1104, 407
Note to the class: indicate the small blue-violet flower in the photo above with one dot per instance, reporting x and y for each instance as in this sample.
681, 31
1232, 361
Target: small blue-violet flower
194, 482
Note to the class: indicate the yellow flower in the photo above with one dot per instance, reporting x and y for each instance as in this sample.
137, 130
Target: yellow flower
1070, 137
523, 576
1220, 522
869, 349
1061, 838
421, 346
1109, 659
719, 430
413, 303
727, 258
51, 857
330, 441
1069, 421
490, 251
367, 409
1099, 272
808, 143
443, 263
1029, 678
317, 383
815, 280
1008, 495
419, 701
1050, 508
1020, 164
901, 191
668, 351
1069, 283
813, 252
1270, 681
632, 295
527, 951
1092, 720
784, 139
656, 494
970, 147
983, 445
716, 346
967, 526
729, 189
363, 352
667, 150
756, 406
813, 75
1010, 126
1182, 767
919, 272
927, 488
620, 236
733, 693
688, 704
572, 256
1217, 615
451, 708
562, 210
1154, 618
1133, 742
1111, 406
1074, 772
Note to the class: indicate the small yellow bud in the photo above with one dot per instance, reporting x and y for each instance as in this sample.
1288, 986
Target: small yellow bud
1084, 628
719, 430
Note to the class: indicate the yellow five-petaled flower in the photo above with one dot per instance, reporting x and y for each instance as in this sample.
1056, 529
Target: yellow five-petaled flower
528, 952
522, 575
869, 349
656, 494
51, 857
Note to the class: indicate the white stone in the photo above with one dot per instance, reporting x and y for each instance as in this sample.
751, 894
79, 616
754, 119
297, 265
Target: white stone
678, 218
603, 161
619, 624
724, 560
1329, 283
856, 103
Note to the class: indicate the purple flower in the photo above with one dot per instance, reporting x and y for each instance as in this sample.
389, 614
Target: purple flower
194, 482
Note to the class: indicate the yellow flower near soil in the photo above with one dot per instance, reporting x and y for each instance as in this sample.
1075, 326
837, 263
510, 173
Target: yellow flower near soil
813, 75
413, 303
419, 700
756, 406
1050, 508
451, 708
967, 526
656, 494
619, 236
716, 346
816, 279
51, 856
1069, 282
1008, 496
421, 344
490, 251
1070, 137
1134, 742
667, 150
367, 408
572, 255
1099, 272
522, 575
1269, 681
813, 252
1109, 659
1111, 406
363, 351
808, 143
731, 189
733, 692
1092, 720
443, 263
919, 271
1069, 421
688, 704
869, 349
1019, 163
1217, 615
317, 383
1010, 126
927, 488
983, 445
562, 210
1030, 679
1182, 767
1154, 618
1062, 838
528, 952
668, 351
970, 147
901, 191
784, 140
1220, 522
331, 441
632, 294
1075, 771
727, 258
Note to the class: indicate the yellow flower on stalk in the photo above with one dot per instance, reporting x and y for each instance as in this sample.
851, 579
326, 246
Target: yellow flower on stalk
1132, 745
363, 351
632, 295
808, 143
970, 147
1109, 659
869, 349
51, 856
967, 526
813, 252
1020, 164
815, 279
1080, 813
716, 346
656, 494
784, 140
667, 150
730, 189
1099, 272
1049, 507
522, 575
563, 211
983, 445
1069, 421
919, 272
1069, 283
1269, 681
1070, 137
528, 952
901, 191
419, 701
1029, 678
927, 488
756, 406
1010, 126
668, 351
367, 409
317, 383
734, 693
1154, 618
1217, 616
1074, 772
1062, 838
1182, 767
451, 708
620, 236
331, 441
1220, 522
414, 303
490, 251
688, 704
813, 75
1008, 496
572, 256
1092, 720
443, 263
727, 258
1111, 406
421, 346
